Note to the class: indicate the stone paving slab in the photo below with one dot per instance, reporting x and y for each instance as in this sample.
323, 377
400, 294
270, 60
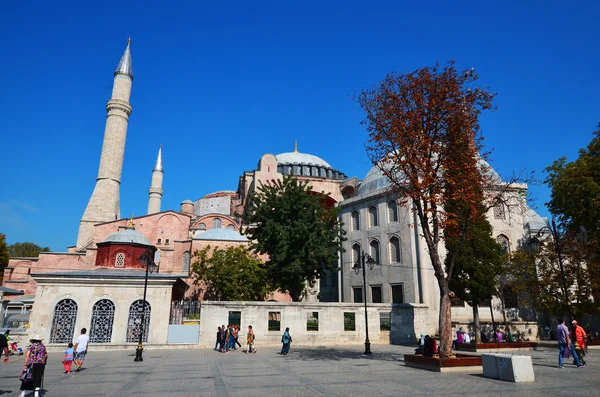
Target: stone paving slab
306, 371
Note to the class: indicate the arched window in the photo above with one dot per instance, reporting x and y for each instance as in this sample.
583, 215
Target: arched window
134, 324
103, 316
374, 245
231, 227
120, 260
504, 242
372, 216
216, 223
355, 253
355, 220
392, 211
63, 321
395, 253
185, 262
201, 226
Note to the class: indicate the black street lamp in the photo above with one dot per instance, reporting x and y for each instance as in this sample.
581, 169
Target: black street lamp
360, 263
534, 243
147, 261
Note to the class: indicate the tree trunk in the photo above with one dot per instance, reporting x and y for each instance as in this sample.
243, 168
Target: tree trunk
493, 322
476, 324
445, 320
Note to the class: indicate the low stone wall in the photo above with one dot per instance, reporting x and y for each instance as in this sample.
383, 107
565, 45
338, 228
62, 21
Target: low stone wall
334, 323
521, 330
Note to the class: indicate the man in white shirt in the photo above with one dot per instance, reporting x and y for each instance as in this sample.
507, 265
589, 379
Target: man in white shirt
80, 349
466, 337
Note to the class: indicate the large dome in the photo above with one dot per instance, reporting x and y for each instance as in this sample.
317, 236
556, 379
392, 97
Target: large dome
127, 236
301, 158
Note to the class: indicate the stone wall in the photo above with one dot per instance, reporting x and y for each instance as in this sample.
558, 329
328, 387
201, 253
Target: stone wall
407, 320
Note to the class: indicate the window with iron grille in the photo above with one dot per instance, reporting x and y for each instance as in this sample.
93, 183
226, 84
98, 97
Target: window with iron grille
392, 211
510, 298
120, 260
186, 260
355, 220
385, 322
499, 212
312, 322
355, 253
373, 217
349, 321
216, 223
504, 242
374, 245
395, 254
274, 321
235, 318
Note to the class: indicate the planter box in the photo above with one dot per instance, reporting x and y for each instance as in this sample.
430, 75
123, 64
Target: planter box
460, 363
495, 347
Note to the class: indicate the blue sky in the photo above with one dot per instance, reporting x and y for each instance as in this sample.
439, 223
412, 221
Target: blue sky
220, 83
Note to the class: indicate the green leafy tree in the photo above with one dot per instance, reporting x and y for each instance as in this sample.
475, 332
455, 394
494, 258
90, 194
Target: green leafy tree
574, 202
291, 224
26, 249
3, 255
476, 267
232, 274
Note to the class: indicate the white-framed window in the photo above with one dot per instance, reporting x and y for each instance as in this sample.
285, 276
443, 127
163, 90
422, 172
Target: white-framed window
120, 260
216, 223
159, 241
167, 241
373, 221
395, 253
355, 222
374, 248
392, 211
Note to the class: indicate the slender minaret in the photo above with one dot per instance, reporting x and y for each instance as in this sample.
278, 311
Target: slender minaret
104, 204
155, 192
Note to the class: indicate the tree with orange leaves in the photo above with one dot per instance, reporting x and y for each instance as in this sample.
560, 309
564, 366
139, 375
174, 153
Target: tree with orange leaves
424, 135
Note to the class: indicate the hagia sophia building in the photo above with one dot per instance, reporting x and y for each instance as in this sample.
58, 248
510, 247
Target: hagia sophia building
108, 245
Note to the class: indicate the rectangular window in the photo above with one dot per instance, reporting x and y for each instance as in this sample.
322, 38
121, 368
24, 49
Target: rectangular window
159, 241
358, 295
235, 319
376, 294
397, 294
385, 323
349, 321
312, 323
167, 241
274, 321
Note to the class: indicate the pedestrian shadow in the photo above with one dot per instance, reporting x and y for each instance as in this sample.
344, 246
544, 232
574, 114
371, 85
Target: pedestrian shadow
3, 392
334, 354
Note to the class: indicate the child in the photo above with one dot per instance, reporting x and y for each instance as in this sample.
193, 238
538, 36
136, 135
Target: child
68, 360
250, 338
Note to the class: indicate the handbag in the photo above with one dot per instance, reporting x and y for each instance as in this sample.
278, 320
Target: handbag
26, 375
567, 352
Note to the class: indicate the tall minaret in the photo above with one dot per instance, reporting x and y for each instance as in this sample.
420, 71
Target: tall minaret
155, 192
104, 204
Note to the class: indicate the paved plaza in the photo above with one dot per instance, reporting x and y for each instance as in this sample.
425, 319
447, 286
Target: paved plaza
307, 371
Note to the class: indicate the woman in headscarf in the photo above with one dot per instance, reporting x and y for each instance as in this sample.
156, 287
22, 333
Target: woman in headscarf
35, 359
286, 339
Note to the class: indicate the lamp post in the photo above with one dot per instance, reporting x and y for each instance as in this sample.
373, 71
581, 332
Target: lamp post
534, 243
360, 263
146, 261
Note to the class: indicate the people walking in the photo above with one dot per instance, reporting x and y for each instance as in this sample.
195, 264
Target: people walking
4, 347
81, 346
286, 339
222, 339
231, 340
236, 334
579, 336
218, 342
34, 365
565, 345
68, 358
250, 339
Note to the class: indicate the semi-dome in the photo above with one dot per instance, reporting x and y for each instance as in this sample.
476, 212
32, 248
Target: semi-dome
374, 181
221, 234
127, 236
187, 201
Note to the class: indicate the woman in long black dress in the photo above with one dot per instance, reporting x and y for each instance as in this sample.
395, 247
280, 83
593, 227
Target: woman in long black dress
35, 358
